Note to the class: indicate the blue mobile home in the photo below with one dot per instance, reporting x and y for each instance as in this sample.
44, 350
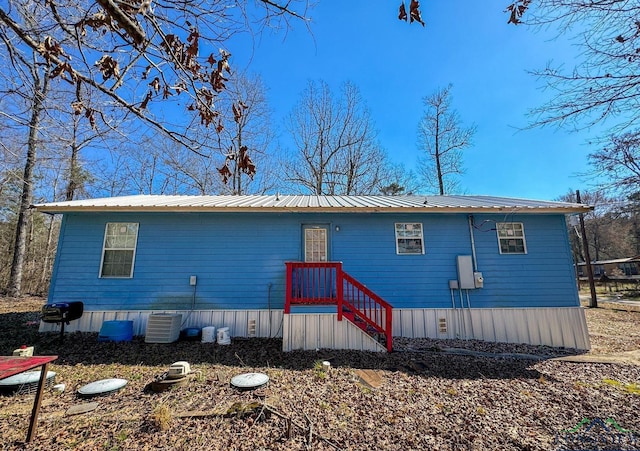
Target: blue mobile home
325, 271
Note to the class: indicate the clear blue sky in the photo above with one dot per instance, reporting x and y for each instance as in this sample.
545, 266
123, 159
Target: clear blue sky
467, 43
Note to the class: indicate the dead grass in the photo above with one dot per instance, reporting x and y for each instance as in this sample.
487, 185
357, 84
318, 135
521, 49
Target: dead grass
161, 417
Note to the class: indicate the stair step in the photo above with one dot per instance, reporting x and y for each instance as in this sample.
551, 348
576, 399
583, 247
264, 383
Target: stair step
356, 320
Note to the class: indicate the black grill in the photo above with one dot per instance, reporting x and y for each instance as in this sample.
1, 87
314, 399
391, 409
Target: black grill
62, 312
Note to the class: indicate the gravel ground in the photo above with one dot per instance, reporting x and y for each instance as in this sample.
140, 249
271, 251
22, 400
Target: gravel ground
418, 398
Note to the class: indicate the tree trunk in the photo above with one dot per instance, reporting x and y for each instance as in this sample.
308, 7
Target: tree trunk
74, 166
40, 88
237, 176
74, 174
592, 286
439, 171
46, 264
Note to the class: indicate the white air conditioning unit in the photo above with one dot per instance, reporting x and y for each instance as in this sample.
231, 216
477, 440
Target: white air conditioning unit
163, 328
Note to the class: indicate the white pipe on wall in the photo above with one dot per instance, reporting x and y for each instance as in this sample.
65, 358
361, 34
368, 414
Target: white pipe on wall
473, 244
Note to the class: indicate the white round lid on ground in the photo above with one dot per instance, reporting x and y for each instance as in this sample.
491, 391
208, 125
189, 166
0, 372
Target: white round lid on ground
102, 387
28, 377
248, 381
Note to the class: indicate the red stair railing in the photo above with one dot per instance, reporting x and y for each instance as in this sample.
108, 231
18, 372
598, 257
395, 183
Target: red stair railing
323, 283
368, 307
311, 283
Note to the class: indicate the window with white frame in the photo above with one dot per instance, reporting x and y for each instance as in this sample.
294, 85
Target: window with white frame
315, 245
118, 252
511, 238
409, 238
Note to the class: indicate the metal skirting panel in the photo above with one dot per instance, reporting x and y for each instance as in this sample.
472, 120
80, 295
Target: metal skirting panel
268, 323
557, 327
312, 331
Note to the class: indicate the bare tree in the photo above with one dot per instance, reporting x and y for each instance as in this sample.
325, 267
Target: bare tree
82, 135
144, 167
34, 109
198, 174
153, 165
40, 88
112, 174
121, 58
618, 163
246, 137
10, 188
442, 138
397, 180
605, 83
156, 165
631, 210
25, 87
336, 151
604, 227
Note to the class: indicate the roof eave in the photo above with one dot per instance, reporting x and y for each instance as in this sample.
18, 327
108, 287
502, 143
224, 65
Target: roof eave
53, 209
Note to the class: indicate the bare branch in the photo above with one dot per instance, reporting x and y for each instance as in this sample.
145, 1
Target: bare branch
604, 86
168, 37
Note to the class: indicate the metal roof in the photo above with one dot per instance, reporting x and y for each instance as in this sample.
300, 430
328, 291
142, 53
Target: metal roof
616, 260
310, 203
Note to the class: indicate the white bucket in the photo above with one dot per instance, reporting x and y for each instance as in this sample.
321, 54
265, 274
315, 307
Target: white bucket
208, 334
223, 336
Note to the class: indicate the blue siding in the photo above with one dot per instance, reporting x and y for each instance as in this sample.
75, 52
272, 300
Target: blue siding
239, 260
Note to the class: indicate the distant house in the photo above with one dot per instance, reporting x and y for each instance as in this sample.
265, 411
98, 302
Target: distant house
325, 271
616, 269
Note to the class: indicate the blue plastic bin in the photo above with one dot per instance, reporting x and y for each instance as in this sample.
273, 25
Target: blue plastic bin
116, 331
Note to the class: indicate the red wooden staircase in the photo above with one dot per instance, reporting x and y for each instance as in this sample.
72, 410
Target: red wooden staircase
325, 283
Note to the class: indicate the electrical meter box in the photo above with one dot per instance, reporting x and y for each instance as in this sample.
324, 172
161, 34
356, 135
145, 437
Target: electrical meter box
478, 279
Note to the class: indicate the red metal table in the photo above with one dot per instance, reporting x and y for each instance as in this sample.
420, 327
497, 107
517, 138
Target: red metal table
10, 366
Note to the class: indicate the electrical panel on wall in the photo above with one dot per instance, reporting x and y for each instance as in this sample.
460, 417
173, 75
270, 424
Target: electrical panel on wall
466, 277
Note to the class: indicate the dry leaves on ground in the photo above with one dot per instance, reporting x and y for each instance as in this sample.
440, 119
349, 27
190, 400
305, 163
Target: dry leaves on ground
426, 399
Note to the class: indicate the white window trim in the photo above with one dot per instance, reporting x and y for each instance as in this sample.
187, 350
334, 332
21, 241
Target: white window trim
421, 238
104, 248
523, 238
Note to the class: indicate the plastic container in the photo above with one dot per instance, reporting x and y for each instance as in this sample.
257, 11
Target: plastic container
191, 333
23, 351
208, 334
223, 336
116, 331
